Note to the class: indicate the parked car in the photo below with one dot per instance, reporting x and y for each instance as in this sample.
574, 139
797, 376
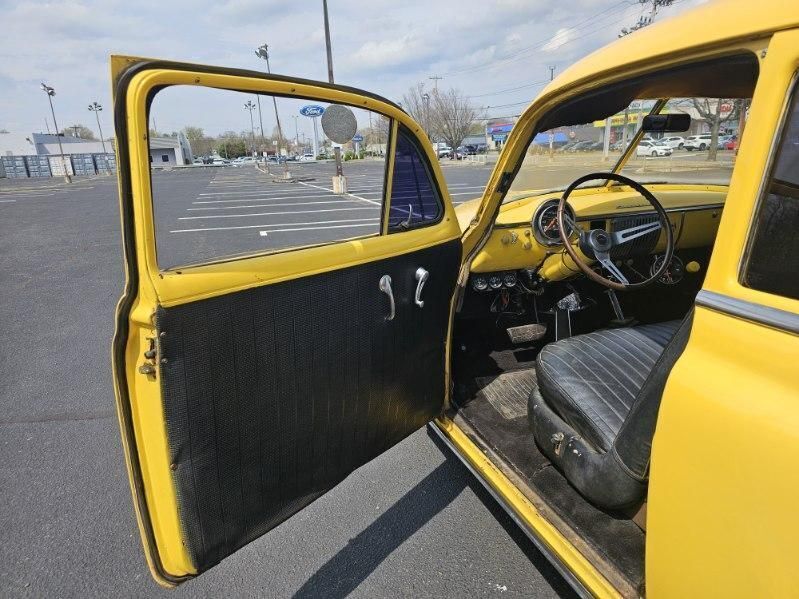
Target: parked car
698, 142
721, 142
732, 144
581, 146
675, 142
307, 157
648, 147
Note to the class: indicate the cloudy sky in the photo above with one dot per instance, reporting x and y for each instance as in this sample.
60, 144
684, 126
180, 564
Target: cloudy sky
497, 52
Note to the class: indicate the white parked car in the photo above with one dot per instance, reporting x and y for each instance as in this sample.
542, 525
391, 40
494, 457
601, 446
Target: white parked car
675, 142
648, 147
306, 158
698, 142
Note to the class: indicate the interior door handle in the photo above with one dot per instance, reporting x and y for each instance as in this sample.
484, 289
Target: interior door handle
421, 278
385, 287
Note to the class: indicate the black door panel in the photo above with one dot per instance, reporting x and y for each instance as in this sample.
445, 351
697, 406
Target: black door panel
273, 395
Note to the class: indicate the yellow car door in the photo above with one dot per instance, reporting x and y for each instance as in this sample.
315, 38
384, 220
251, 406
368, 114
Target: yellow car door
249, 385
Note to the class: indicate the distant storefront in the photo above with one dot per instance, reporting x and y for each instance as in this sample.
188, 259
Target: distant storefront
497, 133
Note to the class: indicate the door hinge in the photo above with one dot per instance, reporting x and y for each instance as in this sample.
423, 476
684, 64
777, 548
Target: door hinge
504, 182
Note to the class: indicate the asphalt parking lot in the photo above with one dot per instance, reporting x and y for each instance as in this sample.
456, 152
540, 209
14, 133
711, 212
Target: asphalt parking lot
412, 523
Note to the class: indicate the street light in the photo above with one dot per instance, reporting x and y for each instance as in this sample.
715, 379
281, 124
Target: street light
250, 106
50, 93
296, 134
95, 107
263, 52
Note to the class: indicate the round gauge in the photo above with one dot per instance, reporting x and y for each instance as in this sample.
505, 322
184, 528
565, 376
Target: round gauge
545, 223
509, 279
673, 273
495, 281
480, 283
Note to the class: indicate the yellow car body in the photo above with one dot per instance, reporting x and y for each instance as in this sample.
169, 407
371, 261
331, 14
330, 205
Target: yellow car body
723, 480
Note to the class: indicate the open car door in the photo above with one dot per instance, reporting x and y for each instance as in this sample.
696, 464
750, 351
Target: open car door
248, 386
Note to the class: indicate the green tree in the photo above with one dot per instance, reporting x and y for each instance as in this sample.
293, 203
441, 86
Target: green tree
82, 131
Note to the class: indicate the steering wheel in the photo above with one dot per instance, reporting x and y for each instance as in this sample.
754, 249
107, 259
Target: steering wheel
597, 243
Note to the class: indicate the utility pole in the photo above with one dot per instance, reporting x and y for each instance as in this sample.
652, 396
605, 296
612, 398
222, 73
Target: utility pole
263, 52
551, 72
260, 118
648, 20
50, 93
435, 79
426, 98
296, 131
250, 106
339, 182
75, 129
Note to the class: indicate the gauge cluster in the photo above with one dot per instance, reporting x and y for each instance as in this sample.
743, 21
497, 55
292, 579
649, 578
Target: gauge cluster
545, 223
493, 281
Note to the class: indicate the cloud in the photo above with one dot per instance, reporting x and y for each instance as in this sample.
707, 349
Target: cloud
562, 36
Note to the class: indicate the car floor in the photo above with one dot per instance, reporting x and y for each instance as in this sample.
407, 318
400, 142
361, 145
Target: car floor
492, 399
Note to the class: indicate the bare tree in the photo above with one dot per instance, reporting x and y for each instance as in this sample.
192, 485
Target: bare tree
710, 110
414, 103
452, 117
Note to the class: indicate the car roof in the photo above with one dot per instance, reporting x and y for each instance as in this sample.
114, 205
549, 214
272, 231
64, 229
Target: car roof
732, 19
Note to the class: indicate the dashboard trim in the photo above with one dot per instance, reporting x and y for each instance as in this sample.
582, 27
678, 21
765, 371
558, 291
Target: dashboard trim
613, 215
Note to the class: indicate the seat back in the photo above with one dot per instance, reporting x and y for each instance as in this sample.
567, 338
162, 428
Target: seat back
633, 444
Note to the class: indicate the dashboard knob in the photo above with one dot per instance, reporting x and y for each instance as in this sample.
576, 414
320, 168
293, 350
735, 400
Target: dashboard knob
693, 266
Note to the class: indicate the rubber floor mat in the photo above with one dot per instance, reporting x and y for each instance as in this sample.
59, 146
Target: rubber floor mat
508, 392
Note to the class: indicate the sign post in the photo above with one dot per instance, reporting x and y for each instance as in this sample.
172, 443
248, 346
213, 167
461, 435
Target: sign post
357, 139
313, 112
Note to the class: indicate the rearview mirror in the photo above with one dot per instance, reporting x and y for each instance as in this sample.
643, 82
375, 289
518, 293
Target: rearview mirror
667, 123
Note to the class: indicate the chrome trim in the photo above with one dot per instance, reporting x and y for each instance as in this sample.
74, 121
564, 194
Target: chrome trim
536, 226
771, 317
385, 287
553, 559
421, 278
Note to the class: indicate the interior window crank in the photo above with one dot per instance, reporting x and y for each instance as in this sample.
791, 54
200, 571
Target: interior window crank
385, 287
421, 278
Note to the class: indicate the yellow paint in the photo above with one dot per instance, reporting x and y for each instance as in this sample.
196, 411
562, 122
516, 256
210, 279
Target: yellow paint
174, 287
575, 561
721, 519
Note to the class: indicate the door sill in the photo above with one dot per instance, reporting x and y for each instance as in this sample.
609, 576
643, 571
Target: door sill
580, 566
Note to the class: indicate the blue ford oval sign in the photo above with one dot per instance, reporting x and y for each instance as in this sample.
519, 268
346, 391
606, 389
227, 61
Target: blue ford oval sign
312, 110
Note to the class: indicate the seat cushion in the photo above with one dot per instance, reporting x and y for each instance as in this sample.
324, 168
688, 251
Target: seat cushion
592, 380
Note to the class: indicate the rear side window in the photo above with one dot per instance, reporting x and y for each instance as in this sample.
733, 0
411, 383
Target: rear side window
415, 201
773, 264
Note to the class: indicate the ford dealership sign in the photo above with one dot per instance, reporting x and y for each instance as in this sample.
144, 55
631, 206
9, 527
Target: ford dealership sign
312, 110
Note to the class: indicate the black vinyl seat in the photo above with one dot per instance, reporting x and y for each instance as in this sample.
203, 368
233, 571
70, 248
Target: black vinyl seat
594, 410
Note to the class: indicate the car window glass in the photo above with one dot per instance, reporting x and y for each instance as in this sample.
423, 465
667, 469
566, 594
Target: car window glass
230, 178
414, 198
773, 258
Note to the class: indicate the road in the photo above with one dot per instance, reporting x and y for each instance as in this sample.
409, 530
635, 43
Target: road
411, 523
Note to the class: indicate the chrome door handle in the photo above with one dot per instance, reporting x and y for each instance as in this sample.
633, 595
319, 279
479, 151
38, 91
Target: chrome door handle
421, 278
385, 287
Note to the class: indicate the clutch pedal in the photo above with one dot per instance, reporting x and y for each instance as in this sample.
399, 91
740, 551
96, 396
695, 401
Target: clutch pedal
526, 333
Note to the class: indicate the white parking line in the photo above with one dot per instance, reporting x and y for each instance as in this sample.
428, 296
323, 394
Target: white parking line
276, 213
349, 194
7, 201
267, 199
237, 206
364, 221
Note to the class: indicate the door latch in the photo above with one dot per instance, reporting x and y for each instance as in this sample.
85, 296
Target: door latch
150, 356
421, 278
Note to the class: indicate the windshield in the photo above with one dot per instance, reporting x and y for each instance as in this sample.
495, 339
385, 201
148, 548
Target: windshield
704, 154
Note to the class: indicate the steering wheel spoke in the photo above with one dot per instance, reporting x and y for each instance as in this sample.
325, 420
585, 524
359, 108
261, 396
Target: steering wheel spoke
625, 235
610, 266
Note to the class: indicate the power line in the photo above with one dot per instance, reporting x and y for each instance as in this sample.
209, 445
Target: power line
510, 89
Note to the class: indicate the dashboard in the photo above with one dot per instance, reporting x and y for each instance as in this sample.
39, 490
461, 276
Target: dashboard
526, 236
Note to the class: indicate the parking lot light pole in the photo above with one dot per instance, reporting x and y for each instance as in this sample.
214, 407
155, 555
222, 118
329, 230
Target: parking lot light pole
296, 133
250, 106
339, 182
263, 52
50, 93
96, 107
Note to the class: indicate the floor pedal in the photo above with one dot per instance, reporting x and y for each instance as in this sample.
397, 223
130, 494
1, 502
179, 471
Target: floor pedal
526, 333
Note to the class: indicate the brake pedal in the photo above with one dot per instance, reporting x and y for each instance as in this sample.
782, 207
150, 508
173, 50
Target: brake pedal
526, 333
